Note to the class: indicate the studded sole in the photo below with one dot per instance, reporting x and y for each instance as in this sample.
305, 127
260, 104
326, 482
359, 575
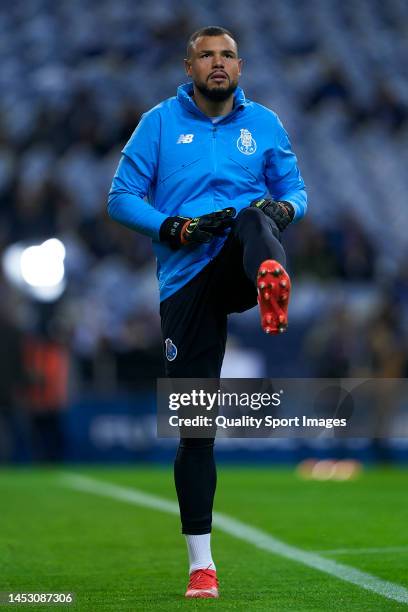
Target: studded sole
274, 287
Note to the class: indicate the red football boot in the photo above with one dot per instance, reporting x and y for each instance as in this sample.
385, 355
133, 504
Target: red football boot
273, 296
203, 583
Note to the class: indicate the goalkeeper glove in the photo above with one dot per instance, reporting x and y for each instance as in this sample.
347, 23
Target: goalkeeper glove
281, 212
180, 231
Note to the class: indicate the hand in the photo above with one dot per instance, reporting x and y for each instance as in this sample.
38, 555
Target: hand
181, 231
281, 212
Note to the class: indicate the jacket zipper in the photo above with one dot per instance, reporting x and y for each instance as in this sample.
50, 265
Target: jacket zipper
214, 134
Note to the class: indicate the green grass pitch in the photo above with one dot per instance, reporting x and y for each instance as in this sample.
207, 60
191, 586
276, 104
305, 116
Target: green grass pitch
117, 556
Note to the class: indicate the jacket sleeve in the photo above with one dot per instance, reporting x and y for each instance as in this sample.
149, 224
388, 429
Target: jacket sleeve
134, 179
282, 174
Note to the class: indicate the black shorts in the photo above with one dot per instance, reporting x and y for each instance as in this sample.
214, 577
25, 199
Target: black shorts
194, 319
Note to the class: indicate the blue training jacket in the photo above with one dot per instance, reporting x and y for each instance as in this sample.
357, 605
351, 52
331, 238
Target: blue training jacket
178, 162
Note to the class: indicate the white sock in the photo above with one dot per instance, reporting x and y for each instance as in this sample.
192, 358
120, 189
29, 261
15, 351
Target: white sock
199, 552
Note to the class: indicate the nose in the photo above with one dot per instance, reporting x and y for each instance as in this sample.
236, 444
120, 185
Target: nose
218, 61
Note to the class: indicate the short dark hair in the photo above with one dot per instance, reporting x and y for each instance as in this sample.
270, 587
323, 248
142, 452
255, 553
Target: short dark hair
208, 31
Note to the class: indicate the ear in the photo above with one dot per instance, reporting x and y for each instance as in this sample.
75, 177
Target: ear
240, 65
187, 67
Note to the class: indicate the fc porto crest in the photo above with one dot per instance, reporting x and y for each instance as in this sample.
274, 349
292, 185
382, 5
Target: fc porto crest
171, 350
246, 143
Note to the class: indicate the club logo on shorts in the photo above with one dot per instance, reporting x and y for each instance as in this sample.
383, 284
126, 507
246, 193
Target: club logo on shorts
171, 350
246, 143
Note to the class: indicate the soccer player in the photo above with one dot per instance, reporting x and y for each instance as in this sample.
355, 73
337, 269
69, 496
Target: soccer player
211, 177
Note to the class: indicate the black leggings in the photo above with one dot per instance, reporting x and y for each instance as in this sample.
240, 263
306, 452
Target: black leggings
195, 319
195, 476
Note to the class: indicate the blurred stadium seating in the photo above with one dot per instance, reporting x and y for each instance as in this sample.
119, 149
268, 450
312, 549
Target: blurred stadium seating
75, 77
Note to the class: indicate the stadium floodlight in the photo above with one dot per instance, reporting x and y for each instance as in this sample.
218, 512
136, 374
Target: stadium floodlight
43, 266
38, 270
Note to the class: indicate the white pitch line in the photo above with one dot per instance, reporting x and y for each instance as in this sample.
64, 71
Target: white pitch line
248, 534
363, 551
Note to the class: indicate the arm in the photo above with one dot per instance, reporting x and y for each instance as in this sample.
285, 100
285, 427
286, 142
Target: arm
133, 179
282, 175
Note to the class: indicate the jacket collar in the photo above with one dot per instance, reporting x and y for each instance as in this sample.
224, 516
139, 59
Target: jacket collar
184, 93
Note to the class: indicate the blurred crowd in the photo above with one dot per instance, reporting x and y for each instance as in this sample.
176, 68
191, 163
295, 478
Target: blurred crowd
75, 78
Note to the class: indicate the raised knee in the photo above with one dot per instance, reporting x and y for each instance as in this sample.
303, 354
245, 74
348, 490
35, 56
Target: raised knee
257, 219
250, 215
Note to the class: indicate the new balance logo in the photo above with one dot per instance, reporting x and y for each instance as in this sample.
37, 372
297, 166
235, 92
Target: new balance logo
185, 138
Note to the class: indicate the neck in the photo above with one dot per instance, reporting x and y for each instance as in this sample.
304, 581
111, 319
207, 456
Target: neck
213, 108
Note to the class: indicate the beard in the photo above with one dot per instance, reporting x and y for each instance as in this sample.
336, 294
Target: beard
216, 94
